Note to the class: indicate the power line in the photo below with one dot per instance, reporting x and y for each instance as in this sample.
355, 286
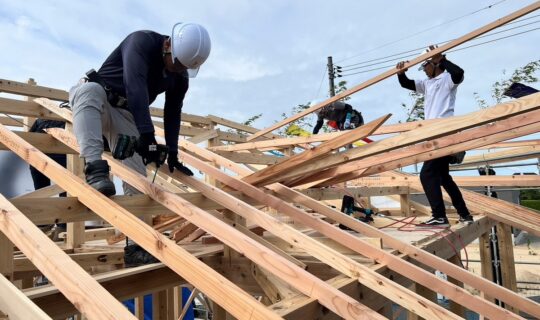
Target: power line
416, 50
422, 31
454, 50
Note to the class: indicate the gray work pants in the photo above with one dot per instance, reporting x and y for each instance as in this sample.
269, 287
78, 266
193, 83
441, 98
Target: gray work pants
94, 117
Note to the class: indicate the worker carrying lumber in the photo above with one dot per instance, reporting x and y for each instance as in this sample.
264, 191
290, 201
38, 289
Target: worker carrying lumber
439, 90
340, 116
114, 101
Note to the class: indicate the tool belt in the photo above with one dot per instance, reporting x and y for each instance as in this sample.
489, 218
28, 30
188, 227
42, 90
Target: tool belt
115, 99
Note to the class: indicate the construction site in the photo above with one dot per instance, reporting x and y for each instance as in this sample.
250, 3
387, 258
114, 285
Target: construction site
262, 230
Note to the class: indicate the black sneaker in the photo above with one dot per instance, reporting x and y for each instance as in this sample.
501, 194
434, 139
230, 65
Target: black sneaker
468, 219
434, 222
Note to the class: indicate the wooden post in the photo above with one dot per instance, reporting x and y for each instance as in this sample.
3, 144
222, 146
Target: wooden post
29, 121
456, 307
177, 300
486, 258
6, 257
139, 307
75, 230
426, 293
508, 266
405, 204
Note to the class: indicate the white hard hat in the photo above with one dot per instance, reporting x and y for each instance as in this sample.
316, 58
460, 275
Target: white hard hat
190, 44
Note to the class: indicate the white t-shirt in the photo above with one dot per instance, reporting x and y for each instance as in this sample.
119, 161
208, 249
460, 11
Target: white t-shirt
439, 95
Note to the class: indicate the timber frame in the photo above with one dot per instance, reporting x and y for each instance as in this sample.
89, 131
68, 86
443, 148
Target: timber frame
257, 236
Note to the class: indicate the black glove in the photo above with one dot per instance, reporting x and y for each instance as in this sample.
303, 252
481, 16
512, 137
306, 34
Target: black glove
147, 147
174, 164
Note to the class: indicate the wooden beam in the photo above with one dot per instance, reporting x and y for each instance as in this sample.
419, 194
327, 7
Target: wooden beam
442, 128
260, 177
25, 89
251, 158
418, 254
25, 108
284, 269
238, 126
44, 142
512, 144
406, 298
210, 134
73, 281
471, 35
522, 124
11, 121
218, 288
6, 257
83, 259
508, 264
15, 305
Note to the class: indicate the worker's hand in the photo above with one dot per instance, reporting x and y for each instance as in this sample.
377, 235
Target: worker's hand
174, 164
147, 148
400, 66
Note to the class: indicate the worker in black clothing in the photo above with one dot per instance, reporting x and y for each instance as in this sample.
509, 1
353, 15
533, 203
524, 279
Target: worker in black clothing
115, 99
439, 90
340, 116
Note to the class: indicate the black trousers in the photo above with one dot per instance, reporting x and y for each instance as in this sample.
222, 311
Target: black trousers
434, 174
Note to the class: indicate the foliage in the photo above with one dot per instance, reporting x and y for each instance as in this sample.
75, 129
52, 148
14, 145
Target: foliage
525, 74
415, 112
342, 86
529, 194
300, 126
532, 204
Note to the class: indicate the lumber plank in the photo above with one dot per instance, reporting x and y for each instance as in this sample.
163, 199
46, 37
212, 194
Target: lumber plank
46, 192
11, 121
215, 286
210, 134
16, 305
522, 124
73, 281
26, 108
44, 142
418, 254
238, 126
512, 144
284, 269
250, 158
446, 126
261, 176
25, 89
471, 35
406, 297
83, 259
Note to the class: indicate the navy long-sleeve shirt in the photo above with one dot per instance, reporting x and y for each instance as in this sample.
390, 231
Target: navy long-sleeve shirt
135, 70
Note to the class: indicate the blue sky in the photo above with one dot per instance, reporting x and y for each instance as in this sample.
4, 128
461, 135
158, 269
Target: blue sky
267, 56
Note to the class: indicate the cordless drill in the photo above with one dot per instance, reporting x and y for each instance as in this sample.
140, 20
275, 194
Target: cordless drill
125, 148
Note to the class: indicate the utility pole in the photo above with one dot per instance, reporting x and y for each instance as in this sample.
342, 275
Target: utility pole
331, 76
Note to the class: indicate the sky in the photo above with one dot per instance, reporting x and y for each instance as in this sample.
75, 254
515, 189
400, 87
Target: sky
268, 56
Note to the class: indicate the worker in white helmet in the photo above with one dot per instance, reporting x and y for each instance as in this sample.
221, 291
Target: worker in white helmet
439, 90
115, 99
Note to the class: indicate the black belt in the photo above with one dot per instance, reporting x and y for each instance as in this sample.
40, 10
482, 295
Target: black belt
116, 100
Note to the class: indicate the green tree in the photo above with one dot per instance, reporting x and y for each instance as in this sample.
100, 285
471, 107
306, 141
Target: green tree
415, 111
304, 124
525, 74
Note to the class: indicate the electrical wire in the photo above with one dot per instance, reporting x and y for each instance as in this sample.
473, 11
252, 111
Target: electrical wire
416, 51
443, 42
454, 50
16, 120
422, 31
320, 84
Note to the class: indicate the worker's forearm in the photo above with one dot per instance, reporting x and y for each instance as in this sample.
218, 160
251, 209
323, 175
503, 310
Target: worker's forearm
455, 71
406, 82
